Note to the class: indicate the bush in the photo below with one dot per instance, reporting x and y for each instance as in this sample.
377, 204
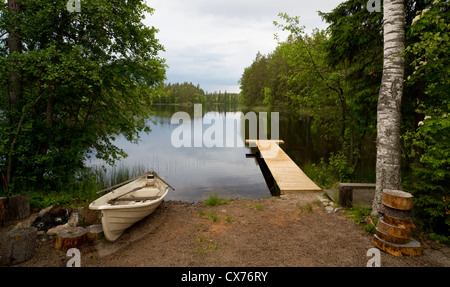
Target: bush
431, 175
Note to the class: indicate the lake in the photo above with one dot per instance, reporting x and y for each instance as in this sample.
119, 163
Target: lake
203, 168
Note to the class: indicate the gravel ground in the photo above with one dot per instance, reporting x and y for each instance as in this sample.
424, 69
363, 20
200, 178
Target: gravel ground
269, 232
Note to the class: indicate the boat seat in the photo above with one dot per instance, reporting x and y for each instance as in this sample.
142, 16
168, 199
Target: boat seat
135, 198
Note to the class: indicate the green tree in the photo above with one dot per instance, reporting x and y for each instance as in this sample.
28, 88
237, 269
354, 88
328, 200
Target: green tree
84, 78
428, 141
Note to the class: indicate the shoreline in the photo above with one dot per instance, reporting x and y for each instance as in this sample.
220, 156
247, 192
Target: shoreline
290, 230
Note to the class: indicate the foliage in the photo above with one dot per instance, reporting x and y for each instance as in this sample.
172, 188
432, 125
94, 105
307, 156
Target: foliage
431, 175
360, 215
264, 81
82, 78
307, 82
428, 142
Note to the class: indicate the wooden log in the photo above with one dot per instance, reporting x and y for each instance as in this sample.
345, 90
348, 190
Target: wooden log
70, 237
395, 213
393, 230
3, 201
399, 222
397, 199
391, 238
412, 248
18, 207
94, 232
20, 245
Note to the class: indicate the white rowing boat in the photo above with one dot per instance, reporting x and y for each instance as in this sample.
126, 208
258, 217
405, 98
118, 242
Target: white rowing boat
130, 203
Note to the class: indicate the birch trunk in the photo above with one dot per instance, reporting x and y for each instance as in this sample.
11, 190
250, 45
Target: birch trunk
388, 173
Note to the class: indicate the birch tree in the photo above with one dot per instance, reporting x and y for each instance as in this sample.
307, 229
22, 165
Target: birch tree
388, 163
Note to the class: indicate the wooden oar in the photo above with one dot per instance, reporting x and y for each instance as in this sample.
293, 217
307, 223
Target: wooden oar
134, 189
155, 174
122, 183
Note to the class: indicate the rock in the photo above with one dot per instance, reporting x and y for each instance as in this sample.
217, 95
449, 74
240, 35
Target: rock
44, 211
20, 245
53, 231
27, 222
73, 219
329, 209
56, 216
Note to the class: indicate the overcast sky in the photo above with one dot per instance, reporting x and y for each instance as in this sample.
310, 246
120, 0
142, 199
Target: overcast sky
210, 42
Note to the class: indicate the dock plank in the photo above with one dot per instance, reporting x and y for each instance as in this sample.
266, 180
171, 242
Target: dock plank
288, 176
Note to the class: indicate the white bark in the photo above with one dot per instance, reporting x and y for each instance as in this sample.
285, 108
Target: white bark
388, 162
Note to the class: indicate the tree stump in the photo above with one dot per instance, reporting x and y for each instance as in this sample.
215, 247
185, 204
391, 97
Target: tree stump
94, 232
393, 230
18, 207
20, 245
70, 237
2, 209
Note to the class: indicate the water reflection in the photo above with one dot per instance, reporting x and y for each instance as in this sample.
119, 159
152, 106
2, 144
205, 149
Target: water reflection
197, 172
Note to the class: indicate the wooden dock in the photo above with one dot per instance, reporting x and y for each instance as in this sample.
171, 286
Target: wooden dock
288, 176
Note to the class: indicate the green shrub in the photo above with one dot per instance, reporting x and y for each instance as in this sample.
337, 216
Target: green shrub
214, 200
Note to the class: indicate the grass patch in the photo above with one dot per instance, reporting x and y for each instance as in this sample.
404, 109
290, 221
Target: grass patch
257, 206
214, 200
305, 208
361, 216
206, 245
211, 215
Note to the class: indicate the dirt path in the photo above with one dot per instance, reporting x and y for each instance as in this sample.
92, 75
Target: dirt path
263, 232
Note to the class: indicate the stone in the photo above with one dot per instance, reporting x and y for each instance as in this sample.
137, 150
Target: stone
329, 209
44, 211
338, 209
53, 231
73, 219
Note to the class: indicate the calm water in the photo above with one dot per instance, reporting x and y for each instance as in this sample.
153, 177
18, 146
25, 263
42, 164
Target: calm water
198, 172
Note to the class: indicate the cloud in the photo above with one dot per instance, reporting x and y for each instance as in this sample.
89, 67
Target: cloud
210, 42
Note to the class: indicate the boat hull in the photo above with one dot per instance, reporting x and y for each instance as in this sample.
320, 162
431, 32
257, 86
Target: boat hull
118, 216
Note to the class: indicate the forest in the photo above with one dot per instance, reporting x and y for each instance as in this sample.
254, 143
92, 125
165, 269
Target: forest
188, 93
334, 76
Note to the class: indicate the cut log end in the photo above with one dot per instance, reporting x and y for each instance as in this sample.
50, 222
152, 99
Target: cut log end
397, 199
94, 232
70, 237
412, 248
393, 230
